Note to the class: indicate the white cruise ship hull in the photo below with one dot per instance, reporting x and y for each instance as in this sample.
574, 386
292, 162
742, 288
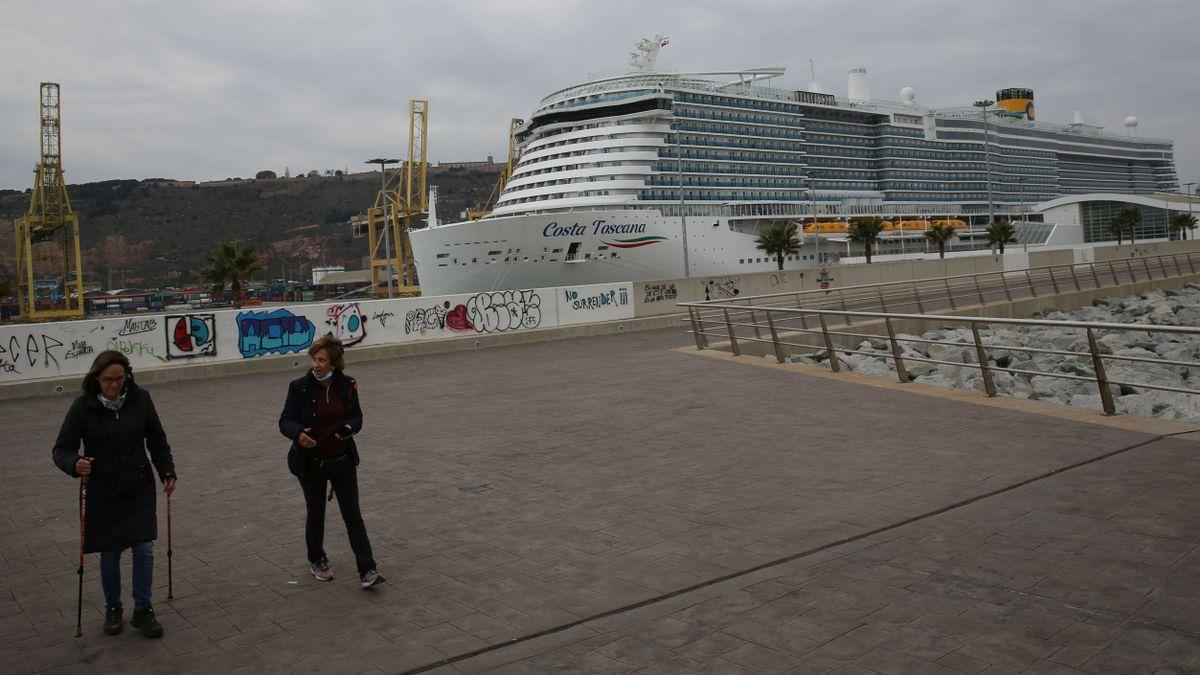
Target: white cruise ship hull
534, 251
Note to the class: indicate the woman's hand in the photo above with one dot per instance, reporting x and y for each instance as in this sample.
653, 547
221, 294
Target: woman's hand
83, 466
169, 486
305, 440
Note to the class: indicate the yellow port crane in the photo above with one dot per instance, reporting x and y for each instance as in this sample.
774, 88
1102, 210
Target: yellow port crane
401, 198
485, 208
49, 231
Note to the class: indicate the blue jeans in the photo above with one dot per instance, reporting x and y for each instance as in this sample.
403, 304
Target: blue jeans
143, 575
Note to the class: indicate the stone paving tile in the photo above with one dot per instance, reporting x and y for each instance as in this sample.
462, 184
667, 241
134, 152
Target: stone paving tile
546, 505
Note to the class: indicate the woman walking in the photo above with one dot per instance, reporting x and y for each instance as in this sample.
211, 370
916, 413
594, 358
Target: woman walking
320, 417
116, 422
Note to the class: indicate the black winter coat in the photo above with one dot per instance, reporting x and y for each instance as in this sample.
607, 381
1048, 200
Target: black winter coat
120, 490
300, 413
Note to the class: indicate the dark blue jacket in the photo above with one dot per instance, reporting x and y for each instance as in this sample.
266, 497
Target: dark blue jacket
300, 413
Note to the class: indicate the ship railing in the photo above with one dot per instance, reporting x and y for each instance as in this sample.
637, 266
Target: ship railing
831, 321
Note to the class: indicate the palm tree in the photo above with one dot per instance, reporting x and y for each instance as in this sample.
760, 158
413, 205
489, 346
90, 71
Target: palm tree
999, 234
1181, 223
865, 231
779, 240
1126, 220
939, 233
231, 263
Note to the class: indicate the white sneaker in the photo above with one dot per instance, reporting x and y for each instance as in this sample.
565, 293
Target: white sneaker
321, 570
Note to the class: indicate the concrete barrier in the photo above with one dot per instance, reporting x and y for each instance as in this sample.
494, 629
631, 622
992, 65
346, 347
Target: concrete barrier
230, 340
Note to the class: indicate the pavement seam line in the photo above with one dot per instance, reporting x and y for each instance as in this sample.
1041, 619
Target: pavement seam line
778, 561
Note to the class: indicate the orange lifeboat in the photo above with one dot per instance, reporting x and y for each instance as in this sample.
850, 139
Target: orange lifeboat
955, 223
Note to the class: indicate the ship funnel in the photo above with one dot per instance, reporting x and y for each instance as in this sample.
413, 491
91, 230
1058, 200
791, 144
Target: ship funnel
1078, 117
858, 89
1016, 102
1131, 123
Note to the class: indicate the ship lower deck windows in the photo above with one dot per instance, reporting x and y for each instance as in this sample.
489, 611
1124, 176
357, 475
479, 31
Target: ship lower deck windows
573, 250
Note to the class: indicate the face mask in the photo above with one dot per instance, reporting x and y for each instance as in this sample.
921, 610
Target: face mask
322, 379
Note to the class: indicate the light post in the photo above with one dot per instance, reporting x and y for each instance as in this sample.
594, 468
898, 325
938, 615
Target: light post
812, 197
387, 228
987, 155
1190, 197
687, 272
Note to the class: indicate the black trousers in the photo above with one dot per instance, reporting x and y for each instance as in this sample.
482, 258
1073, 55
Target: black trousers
343, 476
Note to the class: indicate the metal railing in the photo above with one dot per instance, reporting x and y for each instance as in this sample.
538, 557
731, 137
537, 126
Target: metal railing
967, 290
778, 320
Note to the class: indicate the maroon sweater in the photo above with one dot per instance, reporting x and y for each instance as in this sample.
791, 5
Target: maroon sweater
331, 420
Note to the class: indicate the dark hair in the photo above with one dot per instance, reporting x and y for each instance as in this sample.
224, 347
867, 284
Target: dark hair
106, 358
333, 349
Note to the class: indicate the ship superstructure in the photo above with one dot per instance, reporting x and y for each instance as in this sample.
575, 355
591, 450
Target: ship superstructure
615, 173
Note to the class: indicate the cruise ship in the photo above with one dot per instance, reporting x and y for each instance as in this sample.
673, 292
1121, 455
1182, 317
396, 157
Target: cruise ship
655, 175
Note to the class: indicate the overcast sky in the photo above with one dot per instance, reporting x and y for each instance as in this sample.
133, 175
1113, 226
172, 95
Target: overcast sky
209, 90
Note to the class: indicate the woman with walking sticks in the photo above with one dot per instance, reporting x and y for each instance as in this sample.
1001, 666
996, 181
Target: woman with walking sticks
320, 417
116, 422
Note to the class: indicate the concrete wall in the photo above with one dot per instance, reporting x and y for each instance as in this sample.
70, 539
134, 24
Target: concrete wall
193, 338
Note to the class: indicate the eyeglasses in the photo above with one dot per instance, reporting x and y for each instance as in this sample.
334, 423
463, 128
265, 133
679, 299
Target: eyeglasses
112, 380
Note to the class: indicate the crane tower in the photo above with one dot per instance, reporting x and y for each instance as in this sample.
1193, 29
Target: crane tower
47, 236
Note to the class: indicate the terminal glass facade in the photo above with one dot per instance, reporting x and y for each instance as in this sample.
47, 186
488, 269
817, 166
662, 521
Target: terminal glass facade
1097, 216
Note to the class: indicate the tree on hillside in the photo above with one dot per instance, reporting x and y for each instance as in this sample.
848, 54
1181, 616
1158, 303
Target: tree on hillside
779, 240
231, 264
865, 231
1182, 223
939, 233
999, 234
264, 175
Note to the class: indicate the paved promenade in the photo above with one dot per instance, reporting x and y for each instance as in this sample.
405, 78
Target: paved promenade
609, 505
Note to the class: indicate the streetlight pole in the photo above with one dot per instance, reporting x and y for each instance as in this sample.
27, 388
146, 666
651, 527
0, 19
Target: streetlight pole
812, 197
387, 227
1190, 198
687, 270
987, 155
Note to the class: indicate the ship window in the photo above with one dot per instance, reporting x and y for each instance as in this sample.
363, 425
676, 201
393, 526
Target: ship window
587, 256
613, 254
741, 261
493, 252
557, 250
601, 248
474, 261
443, 255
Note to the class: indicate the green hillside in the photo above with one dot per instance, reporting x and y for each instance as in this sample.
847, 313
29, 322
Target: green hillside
156, 233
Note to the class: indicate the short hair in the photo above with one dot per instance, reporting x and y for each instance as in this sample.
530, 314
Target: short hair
106, 358
333, 349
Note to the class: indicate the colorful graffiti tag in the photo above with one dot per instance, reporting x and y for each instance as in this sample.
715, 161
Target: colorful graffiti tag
348, 323
275, 332
504, 310
606, 298
191, 335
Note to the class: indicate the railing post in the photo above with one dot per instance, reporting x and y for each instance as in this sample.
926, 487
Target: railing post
988, 385
1076, 278
1053, 281
842, 295
1146, 264
949, 295
917, 294
1129, 264
1178, 269
1112, 268
1191, 263
696, 328
1095, 276
979, 291
754, 322
901, 373
833, 364
1101, 379
1029, 278
1004, 281
733, 343
774, 338
882, 302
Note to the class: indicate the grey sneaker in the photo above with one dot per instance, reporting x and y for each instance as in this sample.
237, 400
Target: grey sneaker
321, 571
370, 578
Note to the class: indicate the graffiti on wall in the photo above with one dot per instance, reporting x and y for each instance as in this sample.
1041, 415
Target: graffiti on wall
191, 335
79, 349
134, 348
275, 332
382, 317
721, 288
424, 319
661, 292
33, 349
504, 310
613, 297
347, 323
133, 326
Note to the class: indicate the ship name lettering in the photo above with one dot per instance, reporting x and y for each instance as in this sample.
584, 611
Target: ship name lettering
556, 230
601, 227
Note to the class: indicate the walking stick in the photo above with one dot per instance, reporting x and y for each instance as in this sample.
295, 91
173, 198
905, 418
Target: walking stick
170, 586
82, 518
